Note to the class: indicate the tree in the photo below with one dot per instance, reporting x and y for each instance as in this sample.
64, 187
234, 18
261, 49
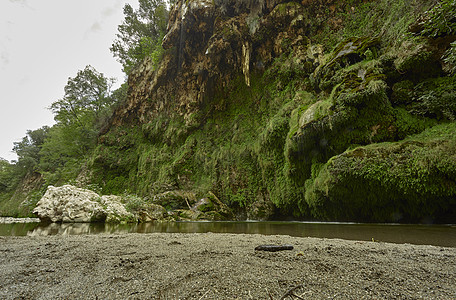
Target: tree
141, 33
57, 152
65, 143
5, 174
87, 93
28, 150
79, 116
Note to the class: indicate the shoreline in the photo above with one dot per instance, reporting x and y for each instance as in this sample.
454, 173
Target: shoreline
220, 266
12, 220
437, 235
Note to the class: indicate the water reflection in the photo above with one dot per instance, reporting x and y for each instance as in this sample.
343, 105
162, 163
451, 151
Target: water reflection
413, 234
16, 229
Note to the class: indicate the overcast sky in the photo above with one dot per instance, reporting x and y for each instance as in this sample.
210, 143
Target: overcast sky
42, 44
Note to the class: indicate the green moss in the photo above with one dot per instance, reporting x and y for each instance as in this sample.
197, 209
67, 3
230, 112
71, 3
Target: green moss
387, 19
283, 9
348, 68
328, 127
408, 124
402, 93
409, 181
288, 70
354, 49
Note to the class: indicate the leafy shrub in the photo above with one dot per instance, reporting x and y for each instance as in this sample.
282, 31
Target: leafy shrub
116, 185
133, 203
94, 187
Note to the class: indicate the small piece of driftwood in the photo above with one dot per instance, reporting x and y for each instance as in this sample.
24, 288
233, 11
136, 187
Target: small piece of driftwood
273, 248
291, 293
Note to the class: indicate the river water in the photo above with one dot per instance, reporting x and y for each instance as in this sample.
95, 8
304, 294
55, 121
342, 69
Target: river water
438, 235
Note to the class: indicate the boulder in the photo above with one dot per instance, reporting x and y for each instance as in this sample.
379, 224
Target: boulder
114, 209
213, 208
187, 215
70, 204
175, 199
152, 212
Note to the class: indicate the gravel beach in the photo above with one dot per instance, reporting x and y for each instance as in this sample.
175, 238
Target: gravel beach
220, 266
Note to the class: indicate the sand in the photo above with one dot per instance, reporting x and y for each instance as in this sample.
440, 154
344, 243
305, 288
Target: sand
220, 266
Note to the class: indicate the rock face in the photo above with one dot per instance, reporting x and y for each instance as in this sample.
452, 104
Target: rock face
71, 204
257, 101
209, 44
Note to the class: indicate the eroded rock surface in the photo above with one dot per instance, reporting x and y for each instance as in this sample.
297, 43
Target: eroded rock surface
71, 204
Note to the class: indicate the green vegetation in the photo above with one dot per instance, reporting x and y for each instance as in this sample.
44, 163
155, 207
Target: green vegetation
440, 20
141, 33
388, 19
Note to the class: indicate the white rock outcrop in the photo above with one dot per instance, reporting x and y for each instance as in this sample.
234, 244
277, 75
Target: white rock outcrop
70, 204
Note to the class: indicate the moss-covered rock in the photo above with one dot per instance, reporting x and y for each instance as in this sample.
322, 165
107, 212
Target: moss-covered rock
175, 199
186, 215
402, 93
262, 209
417, 61
360, 115
212, 208
409, 181
347, 53
152, 212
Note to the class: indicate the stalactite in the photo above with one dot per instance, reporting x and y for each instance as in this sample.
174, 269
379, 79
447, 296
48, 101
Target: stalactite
246, 50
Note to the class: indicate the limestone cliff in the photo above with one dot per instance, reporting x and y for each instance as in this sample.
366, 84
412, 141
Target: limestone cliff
262, 103
209, 45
